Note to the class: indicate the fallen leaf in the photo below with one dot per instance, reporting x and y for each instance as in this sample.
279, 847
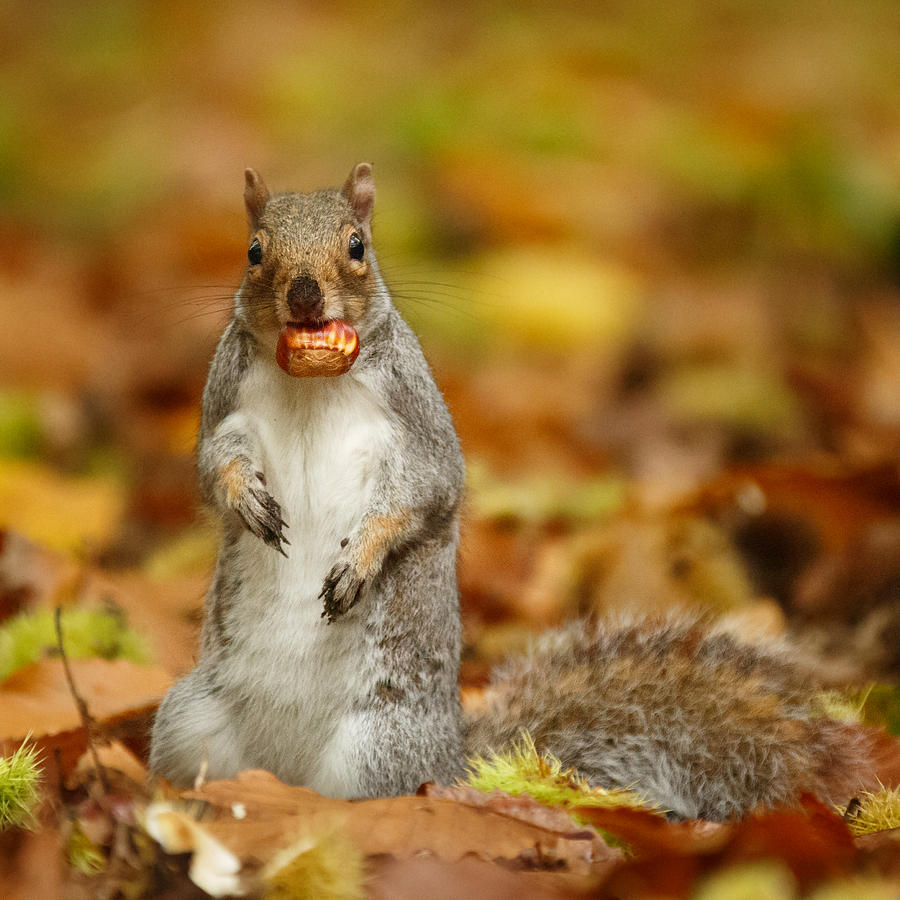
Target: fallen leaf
399, 826
63, 512
523, 808
120, 696
165, 610
649, 834
470, 879
30, 573
32, 864
812, 841
117, 756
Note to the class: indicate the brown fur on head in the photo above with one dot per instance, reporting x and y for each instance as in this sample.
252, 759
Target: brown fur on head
301, 264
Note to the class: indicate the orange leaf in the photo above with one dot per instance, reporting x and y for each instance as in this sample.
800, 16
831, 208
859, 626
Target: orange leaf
120, 695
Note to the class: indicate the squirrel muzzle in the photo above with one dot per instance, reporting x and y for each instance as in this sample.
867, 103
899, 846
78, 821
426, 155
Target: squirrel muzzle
304, 299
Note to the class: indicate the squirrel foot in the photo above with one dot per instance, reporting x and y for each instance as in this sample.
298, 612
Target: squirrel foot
341, 591
258, 509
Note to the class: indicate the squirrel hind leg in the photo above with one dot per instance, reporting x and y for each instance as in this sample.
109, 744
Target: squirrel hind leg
193, 733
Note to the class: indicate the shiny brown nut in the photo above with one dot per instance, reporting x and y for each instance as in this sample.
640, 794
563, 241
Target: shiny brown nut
314, 352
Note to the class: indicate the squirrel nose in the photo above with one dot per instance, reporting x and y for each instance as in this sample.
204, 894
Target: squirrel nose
304, 298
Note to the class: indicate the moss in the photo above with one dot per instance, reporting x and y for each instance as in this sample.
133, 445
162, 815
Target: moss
20, 778
31, 636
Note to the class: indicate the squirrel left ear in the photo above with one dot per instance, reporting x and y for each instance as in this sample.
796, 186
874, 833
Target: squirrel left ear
256, 196
359, 189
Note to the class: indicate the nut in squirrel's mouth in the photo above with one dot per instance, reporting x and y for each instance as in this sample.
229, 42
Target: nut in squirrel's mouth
317, 349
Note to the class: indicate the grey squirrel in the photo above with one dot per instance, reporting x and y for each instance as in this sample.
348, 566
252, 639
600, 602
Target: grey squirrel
331, 633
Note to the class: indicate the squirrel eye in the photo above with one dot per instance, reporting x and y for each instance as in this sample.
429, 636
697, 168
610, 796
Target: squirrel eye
356, 248
254, 254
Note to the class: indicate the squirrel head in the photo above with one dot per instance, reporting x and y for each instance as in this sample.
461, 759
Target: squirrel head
310, 258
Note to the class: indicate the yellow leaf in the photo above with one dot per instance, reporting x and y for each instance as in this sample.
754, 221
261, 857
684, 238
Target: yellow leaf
62, 512
558, 300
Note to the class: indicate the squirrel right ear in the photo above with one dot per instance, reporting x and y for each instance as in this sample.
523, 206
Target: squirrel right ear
256, 195
359, 189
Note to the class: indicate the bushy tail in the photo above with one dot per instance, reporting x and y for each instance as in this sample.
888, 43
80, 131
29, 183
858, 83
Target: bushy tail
703, 724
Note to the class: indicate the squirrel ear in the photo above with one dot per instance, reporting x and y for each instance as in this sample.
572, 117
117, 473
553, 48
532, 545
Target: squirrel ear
359, 189
256, 195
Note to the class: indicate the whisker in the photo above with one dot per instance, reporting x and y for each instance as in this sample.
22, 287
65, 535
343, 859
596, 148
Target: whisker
441, 305
447, 295
207, 306
203, 306
429, 289
179, 292
193, 295
225, 311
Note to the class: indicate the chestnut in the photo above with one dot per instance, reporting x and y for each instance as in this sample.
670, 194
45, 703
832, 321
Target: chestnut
313, 351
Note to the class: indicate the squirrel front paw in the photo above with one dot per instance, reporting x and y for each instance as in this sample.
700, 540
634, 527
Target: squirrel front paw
246, 494
341, 591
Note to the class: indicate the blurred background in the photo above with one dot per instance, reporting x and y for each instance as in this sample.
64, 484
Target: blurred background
652, 251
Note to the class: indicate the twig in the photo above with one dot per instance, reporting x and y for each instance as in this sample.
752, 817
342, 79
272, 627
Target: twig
86, 720
853, 808
200, 780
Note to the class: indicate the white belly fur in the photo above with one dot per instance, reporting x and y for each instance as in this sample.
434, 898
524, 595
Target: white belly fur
322, 441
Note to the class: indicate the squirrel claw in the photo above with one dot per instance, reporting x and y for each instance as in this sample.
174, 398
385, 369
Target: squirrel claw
261, 513
340, 592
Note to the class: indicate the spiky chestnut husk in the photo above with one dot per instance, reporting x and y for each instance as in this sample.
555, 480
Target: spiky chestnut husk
323, 865
28, 637
20, 778
308, 351
520, 769
875, 811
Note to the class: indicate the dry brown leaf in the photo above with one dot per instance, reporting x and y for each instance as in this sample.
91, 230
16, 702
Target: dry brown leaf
37, 698
32, 864
879, 839
120, 695
835, 499
813, 842
30, 574
469, 879
524, 808
62, 511
399, 826
113, 756
649, 834
880, 853
496, 565
165, 611
645, 561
